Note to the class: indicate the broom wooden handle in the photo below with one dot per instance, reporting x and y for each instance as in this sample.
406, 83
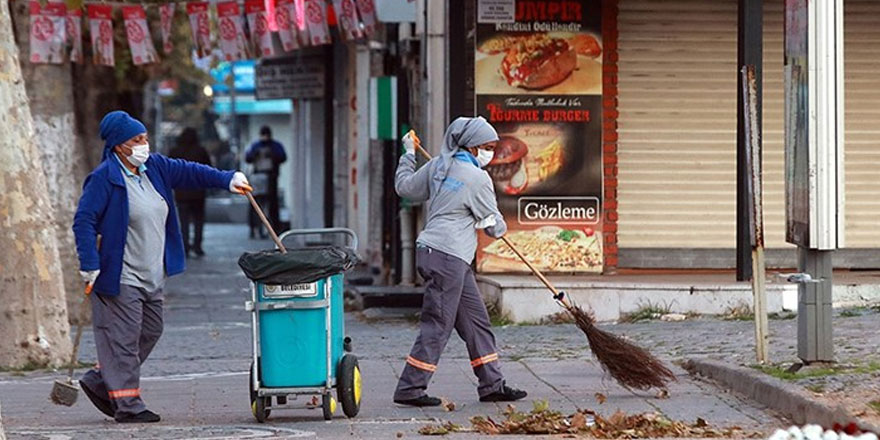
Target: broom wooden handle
422, 150
537, 272
265, 222
79, 330
516, 251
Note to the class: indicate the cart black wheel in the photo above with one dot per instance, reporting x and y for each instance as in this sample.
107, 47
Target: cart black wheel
259, 405
349, 385
260, 409
328, 404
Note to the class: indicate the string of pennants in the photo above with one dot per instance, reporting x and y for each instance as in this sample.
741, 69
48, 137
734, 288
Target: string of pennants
56, 28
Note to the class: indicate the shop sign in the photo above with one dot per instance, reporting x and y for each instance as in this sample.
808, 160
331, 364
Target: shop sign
299, 78
538, 80
396, 11
496, 11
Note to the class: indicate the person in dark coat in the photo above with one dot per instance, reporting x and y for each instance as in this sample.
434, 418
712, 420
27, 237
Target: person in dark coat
191, 202
266, 155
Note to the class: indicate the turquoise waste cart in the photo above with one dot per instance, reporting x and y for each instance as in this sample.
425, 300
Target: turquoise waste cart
299, 344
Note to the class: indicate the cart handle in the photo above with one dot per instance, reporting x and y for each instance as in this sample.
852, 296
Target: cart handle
353, 241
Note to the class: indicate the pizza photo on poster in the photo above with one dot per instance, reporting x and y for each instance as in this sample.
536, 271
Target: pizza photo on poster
538, 80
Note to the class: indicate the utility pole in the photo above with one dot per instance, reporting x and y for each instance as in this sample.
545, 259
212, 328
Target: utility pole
755, 192
814, 145
233, 116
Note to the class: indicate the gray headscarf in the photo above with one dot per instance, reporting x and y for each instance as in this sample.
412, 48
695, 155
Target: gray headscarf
461, 133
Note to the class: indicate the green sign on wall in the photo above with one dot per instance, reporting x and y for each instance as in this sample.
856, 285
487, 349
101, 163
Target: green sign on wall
383, 108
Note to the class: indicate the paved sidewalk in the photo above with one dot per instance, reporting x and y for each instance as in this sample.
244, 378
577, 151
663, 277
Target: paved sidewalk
196, 378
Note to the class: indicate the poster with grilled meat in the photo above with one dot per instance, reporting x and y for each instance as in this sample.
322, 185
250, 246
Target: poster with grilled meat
538, 80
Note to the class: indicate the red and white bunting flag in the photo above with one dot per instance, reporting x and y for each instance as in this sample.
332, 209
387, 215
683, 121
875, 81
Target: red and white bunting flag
258, 21
285, 13
232, 40
316, 22
346, 16
139, 39
101, 31
47, 32
73, 27
166, 17
300, 23
201, 27
367, 11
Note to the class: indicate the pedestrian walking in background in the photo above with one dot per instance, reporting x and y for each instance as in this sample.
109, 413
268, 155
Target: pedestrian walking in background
461, 199
191, 202
127, 201
266, 155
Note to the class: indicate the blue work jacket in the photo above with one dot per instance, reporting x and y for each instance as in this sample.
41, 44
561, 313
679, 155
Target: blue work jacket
103, 210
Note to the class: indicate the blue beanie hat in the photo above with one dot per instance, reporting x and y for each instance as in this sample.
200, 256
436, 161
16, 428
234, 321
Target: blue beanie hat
118, 127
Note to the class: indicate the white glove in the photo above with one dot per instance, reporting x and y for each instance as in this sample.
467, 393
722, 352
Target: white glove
487, 222
89, 276
409, 143
239, 183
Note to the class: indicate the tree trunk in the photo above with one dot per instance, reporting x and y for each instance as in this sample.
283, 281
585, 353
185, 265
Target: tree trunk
50, 90
33, 316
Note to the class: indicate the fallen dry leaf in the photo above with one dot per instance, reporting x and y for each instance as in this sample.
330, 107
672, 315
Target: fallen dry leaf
544, 421
441, 429
578, 421
601, 398
663, 394
449, 405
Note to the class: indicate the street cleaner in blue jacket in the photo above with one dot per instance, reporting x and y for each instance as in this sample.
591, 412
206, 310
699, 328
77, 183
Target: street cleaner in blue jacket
460, 200
127, 201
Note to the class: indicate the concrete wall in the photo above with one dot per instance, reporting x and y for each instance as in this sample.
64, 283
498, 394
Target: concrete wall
523, 299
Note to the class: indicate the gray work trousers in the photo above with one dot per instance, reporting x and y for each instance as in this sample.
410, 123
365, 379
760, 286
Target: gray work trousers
451, 300
127, 328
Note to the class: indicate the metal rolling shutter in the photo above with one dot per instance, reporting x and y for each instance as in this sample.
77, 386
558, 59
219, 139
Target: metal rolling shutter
677, 127
862, 39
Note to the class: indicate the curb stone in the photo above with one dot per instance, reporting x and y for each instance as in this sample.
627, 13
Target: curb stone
789, 399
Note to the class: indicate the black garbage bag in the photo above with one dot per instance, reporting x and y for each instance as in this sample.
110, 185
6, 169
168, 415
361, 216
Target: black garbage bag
297, 266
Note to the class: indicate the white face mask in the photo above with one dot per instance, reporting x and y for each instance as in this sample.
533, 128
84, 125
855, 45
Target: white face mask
139, 154
484, 157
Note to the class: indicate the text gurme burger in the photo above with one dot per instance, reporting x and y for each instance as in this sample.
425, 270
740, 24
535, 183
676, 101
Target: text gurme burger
507, 168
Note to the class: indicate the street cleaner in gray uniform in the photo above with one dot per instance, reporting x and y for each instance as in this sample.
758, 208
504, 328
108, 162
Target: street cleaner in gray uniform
460, 200
127, 201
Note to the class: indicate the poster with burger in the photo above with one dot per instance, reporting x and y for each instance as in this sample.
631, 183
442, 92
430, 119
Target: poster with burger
538, 80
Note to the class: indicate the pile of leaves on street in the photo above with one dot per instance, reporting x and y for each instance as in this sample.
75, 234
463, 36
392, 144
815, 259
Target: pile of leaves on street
542, 420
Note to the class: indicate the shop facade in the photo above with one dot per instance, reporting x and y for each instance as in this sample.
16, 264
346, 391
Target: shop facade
667, 117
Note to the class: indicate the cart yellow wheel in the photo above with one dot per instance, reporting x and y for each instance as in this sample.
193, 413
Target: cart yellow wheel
357, 385
329, 406
349, 386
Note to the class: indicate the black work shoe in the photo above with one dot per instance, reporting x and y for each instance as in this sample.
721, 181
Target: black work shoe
145, 416
102, 404
507, 394
419, 401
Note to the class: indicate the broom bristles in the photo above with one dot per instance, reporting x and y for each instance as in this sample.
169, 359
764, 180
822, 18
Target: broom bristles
630, 365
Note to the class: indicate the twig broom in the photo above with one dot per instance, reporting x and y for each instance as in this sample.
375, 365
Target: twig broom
630, 365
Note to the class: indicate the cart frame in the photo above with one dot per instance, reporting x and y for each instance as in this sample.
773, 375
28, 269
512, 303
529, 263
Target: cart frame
255, 307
